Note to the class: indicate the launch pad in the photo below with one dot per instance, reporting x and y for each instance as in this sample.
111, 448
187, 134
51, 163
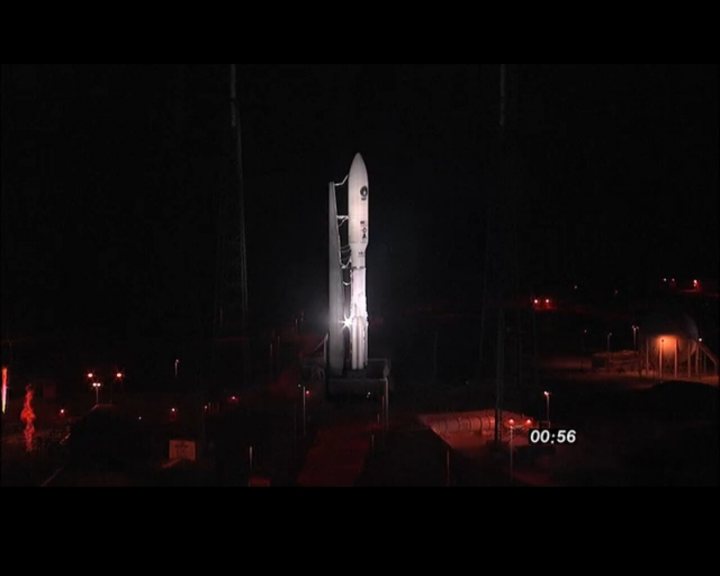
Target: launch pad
375, 379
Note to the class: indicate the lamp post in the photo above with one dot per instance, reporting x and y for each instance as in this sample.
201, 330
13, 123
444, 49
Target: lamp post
608, 349
511, 422
118, 378
547, 407
635, 329
97, 386
305, 393
660, 362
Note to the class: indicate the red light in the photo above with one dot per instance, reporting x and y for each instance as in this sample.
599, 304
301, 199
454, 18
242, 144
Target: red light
528, 422
536, 301
119, 375
173, 410
62, 411
511, 422
547, 300
307, 392
695, 283
90, 374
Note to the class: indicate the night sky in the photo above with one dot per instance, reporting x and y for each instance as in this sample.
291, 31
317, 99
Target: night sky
110, 176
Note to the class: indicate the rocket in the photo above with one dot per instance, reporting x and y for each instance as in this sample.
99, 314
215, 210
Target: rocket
358, 231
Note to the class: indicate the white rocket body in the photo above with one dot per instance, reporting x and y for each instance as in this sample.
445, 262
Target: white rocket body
358, 221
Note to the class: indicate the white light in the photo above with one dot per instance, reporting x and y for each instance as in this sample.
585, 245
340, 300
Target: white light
347, 322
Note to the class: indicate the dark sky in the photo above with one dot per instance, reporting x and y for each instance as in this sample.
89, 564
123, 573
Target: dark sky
110, 174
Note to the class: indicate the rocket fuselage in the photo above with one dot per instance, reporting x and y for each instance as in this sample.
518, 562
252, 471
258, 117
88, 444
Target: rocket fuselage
359, 234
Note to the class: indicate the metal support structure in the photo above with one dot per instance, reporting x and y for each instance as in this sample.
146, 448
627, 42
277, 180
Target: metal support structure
230, 316
241, 195
336, 337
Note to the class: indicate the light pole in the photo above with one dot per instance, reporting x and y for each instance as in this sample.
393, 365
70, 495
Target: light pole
547, 407
635, 329
608, 349
118, 377
511, 422
97, 386
660, 362
305, 393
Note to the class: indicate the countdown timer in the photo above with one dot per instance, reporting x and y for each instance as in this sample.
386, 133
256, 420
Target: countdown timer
550, 436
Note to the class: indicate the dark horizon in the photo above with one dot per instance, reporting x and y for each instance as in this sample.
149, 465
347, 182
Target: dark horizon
110, 174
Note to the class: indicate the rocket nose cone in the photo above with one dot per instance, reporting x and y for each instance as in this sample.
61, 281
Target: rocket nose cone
358, 166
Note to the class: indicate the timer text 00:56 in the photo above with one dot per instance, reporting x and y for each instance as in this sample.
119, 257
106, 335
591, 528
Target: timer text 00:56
551, 436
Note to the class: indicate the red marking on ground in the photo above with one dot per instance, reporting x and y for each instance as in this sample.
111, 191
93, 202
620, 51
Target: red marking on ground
337, 456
